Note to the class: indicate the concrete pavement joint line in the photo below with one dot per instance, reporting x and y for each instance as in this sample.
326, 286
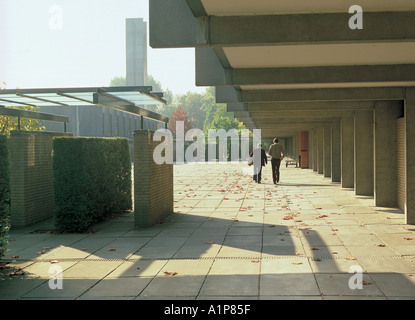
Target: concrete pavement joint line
215, 258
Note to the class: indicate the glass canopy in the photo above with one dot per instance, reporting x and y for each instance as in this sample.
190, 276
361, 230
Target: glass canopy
129, 99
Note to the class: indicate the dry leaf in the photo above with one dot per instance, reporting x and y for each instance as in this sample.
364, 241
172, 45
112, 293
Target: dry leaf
366, 282
408, 238
170, 273
53, 261
350, 258
111, 249
297, 263
381, 245
255, 261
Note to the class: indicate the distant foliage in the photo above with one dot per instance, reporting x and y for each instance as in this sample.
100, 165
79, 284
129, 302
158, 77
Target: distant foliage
4, 193
179, 115
92, 180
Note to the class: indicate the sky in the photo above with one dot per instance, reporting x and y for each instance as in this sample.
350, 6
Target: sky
79, 43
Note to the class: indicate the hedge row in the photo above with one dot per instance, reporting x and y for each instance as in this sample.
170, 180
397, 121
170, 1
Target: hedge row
4, 193
92, 179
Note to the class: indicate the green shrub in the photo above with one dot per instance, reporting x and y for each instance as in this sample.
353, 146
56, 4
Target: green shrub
4, 193
92, 179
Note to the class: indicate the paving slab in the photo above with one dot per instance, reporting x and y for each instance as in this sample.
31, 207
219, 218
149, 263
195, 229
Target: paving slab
229, 238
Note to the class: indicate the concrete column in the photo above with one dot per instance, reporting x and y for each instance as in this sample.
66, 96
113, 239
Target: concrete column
385, 171
136, 51
327, 151
320, 151
335, 152
315, 149
347, 152
363, 153
310, 149
410, 155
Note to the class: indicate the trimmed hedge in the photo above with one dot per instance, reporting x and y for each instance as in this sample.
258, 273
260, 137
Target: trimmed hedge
4, 193
92, 179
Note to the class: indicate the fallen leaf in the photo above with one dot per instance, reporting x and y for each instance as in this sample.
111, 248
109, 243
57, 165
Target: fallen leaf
255, 261
314, 248
350, 258
170, 273
111, 249
408, 238
381, 245
53, 261
210, 242
315, 259
297, 263
366, 282
48, 247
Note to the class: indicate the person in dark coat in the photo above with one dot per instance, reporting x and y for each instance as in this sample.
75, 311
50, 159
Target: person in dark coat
259, 160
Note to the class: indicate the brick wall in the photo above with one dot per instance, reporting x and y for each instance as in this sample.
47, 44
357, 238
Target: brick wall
31, 179
153, 183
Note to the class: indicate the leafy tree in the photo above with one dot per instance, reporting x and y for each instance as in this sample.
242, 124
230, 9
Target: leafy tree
209, 105
179, 115
8, 123
224, 120
118, 82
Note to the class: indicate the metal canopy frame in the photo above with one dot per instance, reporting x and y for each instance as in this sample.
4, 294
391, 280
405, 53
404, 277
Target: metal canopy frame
127, 99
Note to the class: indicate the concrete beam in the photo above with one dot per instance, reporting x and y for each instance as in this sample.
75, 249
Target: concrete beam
231, 94
301, 106
294, 113
173, 24
321, 75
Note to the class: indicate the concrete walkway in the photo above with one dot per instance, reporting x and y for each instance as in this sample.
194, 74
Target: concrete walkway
229, 238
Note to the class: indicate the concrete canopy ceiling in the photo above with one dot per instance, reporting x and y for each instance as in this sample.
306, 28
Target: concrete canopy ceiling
238, 7
273, 52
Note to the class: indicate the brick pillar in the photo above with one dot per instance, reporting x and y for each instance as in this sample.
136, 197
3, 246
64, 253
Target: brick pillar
31, 177
153, 183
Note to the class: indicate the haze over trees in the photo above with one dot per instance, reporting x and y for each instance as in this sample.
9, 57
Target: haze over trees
201, 109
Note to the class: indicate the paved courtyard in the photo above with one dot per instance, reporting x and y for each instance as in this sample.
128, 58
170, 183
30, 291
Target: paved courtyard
229, 238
